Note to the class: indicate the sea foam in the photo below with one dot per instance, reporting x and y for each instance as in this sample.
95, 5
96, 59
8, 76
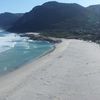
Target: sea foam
8, 41
16, 51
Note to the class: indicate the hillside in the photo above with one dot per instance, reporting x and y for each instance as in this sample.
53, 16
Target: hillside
95, 9
60, 20
8, 19
51, 15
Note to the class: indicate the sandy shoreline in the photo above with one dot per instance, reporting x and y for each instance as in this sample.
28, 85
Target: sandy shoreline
70, 72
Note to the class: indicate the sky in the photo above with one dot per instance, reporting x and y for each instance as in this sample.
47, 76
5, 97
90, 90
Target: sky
21, 6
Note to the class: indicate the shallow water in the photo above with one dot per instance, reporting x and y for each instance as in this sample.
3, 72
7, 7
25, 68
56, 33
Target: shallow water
16, 50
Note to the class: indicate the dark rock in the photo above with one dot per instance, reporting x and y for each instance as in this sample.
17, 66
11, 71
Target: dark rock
41, 38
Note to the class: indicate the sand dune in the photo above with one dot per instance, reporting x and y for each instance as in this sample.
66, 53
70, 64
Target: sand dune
70, 72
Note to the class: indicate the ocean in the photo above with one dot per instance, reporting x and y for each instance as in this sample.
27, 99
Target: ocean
15, 51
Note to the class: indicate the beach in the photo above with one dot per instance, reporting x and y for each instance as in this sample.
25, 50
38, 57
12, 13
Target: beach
70, 72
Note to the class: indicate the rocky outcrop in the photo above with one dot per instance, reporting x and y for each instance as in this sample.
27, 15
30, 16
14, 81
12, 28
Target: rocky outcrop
42, 38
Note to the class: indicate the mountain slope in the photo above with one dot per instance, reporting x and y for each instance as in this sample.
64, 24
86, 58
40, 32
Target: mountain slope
54, 17
7, 19
48, 15
95, 9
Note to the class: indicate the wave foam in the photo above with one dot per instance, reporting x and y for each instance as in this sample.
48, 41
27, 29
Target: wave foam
9, 41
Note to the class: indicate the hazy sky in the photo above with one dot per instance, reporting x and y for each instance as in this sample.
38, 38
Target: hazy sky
26, 5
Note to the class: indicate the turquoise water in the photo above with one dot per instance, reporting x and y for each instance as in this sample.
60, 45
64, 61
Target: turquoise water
16, 51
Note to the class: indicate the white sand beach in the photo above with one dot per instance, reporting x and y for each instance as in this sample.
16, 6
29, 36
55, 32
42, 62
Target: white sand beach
70, 72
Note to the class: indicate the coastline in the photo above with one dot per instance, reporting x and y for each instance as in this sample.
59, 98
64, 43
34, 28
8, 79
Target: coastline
45, 54
21, 73
70, 72
18, 51
28, 62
